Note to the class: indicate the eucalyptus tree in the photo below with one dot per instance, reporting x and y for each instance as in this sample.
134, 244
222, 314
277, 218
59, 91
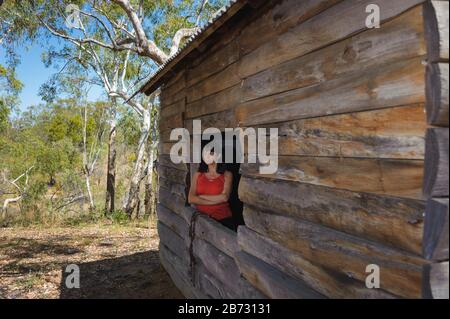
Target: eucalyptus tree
140, 34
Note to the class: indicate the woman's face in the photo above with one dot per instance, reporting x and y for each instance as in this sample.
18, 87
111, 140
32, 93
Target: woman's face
210, 157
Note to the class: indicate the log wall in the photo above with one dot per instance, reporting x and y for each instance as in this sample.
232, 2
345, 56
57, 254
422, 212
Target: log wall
363, 143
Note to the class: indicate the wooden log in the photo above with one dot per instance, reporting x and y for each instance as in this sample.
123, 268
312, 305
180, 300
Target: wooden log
171, 122
323, 280
345, 254
435, 182
174, 242
164, 160
399, 39
173, 202
395, 133
222, 238
220, 120
209, 285
399, 178
221, 101
436, 30
392, 221
437, 94
174, 188
272, 282
435, 281
177, 108
379, 87
215, 83
224, 269
321, 30
279, 19
172, 174
172, 220
435, 237
214, 63
179, 273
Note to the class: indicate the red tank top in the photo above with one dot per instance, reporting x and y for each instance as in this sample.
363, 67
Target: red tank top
215, 186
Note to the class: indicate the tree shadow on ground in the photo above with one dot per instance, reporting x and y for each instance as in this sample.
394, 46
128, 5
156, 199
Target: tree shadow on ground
136, 276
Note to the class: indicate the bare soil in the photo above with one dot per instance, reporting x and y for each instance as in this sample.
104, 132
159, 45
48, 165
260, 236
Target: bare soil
114, 261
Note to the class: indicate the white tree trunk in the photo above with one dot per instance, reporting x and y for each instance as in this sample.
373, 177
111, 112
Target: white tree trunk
131, 197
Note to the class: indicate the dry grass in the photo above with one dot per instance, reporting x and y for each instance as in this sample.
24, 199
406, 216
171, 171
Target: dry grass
116, 261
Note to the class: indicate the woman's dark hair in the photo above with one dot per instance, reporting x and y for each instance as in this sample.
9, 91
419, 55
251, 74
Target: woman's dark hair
203, 167
221, 167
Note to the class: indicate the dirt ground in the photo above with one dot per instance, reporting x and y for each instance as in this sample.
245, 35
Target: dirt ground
114, 261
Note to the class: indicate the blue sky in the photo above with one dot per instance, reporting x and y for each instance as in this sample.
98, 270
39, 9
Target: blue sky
33, 73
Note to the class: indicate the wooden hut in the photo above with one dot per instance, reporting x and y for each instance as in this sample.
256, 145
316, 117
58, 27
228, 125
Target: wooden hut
362, 115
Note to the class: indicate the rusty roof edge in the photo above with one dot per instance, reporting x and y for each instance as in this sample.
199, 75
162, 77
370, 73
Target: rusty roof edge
216, 22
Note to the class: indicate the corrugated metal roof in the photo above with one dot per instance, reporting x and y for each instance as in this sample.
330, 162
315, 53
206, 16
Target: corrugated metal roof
215, 22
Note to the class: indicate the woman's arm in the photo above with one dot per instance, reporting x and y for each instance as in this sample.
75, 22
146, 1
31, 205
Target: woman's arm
193, 198
225, 195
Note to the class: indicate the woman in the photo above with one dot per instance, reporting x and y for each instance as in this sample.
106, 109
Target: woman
211, 188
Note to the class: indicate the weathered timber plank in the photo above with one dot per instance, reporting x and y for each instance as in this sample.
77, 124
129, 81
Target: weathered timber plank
174, 109
272, 282
171, 122
392, 221
222, 238
179, 273
173, 202
399, 178
172, 220
174, 242
437, 93
400, 39
396, 84
165, 160
323, 280
324, 29
435, 183
215, 83
436, 30
214, 63
282, 17
435, 281
221, 101
224, 269
174, 188
220, 120
173, 175
388, 133
346, 254
209, 285
435, 238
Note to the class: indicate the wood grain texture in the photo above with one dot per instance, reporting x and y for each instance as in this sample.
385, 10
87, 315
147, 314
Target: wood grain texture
217, 235
215, 83
437, 94
221, 101
282, 17
174, 109
220, 120
323, 280
345, 254
396, 133
173, 202
174, 242
399, 39
436, 30
392, 221
164, 160
173, 175
399, 178
391, 85
171, 122
178, 271
435, 237
321, 30
174, 188
172, 220
213, 63
435, 183
271, 281
224, 268
435, 281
